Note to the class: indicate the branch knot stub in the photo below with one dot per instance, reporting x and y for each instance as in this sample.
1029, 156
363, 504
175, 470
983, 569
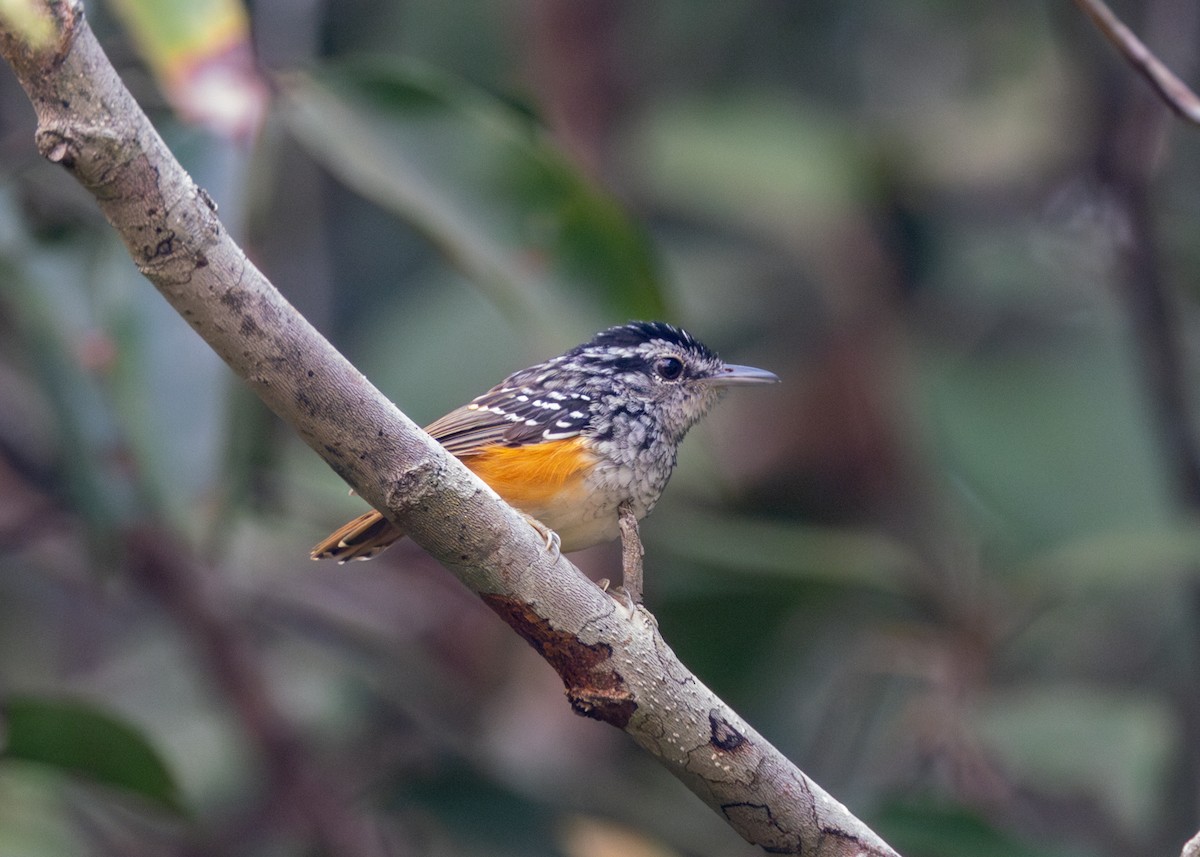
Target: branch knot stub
57, 148
409, 489
90, 150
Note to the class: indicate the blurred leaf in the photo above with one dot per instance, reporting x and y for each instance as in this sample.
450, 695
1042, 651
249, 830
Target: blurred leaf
33, 821
482, 813
138, 398
1044, 427
583, 836
931, 829
1132, 559
29, 20
780, 166
52, 321
167, 389
482, 183
82, 740
784, 550
1111, 745
200, 52
996, 113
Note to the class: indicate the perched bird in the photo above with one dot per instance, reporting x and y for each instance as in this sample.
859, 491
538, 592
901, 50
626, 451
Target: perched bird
570, 441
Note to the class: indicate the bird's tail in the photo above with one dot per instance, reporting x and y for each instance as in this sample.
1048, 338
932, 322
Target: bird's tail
364, 537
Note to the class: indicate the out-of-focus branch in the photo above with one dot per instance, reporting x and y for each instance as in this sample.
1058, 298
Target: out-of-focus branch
615, 665
1178, 96
300, 794
572, 63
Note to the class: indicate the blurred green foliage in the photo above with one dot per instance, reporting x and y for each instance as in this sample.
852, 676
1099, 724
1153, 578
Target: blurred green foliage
81, 740
482, 183
949, 566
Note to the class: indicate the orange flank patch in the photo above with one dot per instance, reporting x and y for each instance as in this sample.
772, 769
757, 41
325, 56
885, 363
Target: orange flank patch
534, 475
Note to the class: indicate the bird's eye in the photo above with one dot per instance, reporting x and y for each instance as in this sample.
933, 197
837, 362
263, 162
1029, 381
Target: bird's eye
669, 368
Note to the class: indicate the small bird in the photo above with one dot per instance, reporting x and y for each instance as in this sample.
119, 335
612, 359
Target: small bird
578, 440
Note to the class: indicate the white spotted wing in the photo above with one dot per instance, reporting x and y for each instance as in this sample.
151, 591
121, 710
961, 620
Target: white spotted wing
513, 416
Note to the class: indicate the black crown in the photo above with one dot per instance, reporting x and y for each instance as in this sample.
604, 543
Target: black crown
640, 332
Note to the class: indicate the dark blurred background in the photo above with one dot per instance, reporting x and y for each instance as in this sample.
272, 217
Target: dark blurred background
949, 566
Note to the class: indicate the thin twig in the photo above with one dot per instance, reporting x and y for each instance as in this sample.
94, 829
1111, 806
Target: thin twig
1174, 91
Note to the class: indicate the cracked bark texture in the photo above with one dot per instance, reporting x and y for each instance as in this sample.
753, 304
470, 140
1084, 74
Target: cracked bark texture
615, 665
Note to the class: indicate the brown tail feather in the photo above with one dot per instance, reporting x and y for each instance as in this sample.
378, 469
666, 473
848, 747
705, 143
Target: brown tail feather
362, 538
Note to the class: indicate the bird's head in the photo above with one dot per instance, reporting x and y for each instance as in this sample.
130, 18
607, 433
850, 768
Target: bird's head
655, 367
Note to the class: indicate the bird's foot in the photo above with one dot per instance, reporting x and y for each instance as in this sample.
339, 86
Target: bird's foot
551, 538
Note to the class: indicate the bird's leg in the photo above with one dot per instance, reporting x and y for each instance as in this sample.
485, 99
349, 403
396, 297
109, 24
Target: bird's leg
631, 554
553, 542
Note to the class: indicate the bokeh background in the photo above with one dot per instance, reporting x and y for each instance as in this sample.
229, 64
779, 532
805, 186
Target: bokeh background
949, 566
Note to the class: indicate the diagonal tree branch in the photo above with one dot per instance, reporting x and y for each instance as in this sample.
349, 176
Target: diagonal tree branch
1177, 95
614, 663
